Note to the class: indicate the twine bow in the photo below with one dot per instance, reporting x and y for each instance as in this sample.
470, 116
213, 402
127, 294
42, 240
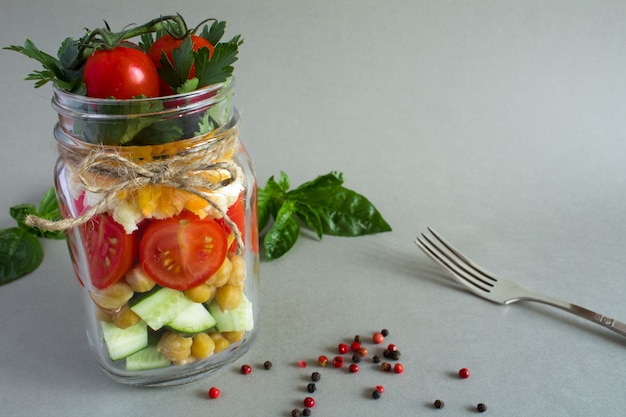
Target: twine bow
182, 172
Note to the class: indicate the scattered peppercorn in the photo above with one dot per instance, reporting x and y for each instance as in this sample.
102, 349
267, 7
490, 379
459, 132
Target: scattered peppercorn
338, 362
295, 412
380, 388
309, 402
322, 360
343, 348
385, 366
355, 346
378, 338
246, 369
356, 358
438, 404
376, 394
481, 407
213, 393
311, 387
376, 359
306, 412
391, 347
464, 373
302, 364
267, 365
358, 338
354, 368
316, 376
362, 352
398, 368
384, 332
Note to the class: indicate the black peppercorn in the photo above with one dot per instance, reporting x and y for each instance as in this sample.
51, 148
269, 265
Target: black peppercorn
311, 387
358, 338
375, 358
356, 358
376, 394
306, 412
267, 365
316, 376
481, 407
384, 332
295, 412
438, 404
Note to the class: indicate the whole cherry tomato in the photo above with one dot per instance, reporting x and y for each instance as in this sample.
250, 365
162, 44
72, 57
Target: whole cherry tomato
167, 43
122, 73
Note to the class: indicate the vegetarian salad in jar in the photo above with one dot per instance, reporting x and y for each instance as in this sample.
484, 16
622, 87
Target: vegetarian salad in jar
158, 196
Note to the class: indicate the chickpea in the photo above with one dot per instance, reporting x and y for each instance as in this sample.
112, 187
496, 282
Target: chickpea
138, 280
203, 346
125, 317
175, 347
233, 337
200, 294
228, 297
238, 273
222, 275
221, 343
113, 297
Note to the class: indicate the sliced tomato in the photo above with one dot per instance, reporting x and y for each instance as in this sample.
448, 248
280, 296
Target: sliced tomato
183, 251
237, 213
111, 252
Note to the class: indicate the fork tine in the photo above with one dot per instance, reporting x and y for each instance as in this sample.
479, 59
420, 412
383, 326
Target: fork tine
459, 266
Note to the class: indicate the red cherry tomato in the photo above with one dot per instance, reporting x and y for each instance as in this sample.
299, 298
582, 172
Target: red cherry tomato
111, 252
121, 72
167, 43
182, 252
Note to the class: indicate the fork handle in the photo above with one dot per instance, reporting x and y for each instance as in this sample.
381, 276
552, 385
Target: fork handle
602, 320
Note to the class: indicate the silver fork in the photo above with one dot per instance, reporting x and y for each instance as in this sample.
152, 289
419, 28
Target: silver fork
498, 290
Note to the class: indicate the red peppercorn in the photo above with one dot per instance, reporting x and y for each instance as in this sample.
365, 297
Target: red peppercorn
355, 346
362, 352
246, 369
214, 393
322, 360
309, 402
464, 373
380, 388
337, 361
343, 348
385, 366
354, 368
392, 347
378, 338
398, 368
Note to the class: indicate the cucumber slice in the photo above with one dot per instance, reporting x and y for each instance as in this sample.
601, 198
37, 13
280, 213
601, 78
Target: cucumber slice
194, 319
122, 343
161, 307
235, 320
148, 358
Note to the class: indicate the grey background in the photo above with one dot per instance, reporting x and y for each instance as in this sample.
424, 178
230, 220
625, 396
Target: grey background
499, 123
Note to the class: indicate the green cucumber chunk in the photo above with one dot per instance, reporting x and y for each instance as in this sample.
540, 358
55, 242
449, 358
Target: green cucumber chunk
194, 319
161, 307
122, 343
148, 358
235, 320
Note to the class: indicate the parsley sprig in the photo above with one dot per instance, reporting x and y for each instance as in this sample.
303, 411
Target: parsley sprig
323, 204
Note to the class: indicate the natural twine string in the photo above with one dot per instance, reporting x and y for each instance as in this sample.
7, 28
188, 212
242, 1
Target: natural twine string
182, 172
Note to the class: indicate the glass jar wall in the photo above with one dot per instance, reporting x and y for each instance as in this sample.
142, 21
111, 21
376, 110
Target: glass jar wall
159, 196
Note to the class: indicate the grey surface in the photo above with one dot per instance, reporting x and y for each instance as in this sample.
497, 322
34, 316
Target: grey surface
499, 123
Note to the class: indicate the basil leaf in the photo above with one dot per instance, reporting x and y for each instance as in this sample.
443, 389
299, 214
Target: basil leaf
344, 212
332, 179
20, 254
283, 234
311, 217
48, 209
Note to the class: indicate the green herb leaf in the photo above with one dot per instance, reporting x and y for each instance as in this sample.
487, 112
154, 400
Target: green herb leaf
323, 204
20, 254
215, 33
217, 68
48, 209
283, 234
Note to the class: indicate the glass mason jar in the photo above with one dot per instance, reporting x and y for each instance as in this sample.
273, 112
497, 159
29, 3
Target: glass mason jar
159, 196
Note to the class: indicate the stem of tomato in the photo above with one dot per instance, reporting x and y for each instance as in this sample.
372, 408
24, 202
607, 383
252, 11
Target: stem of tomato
106, 39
